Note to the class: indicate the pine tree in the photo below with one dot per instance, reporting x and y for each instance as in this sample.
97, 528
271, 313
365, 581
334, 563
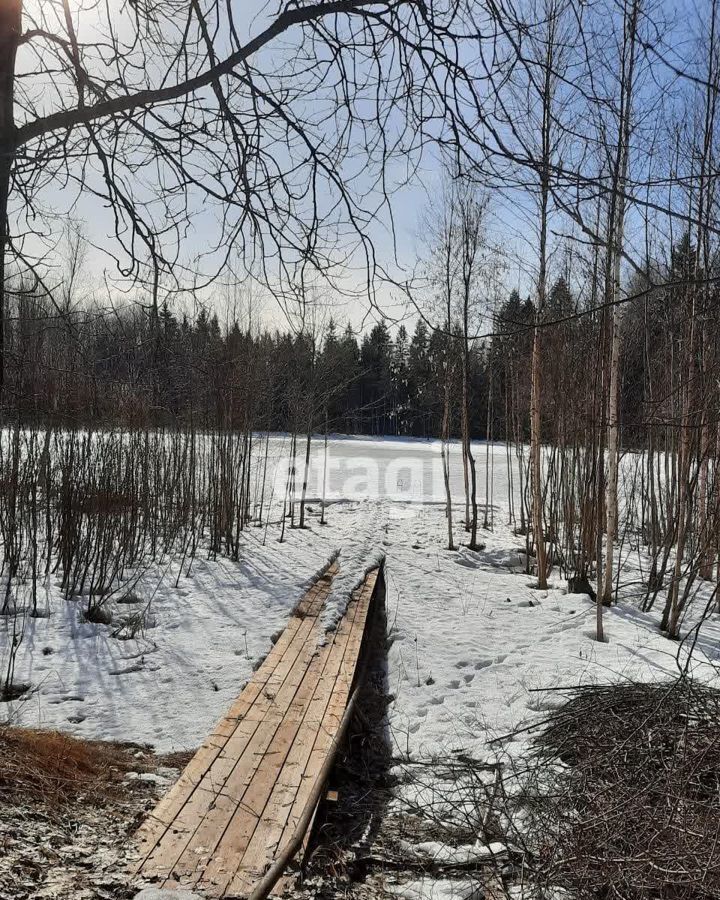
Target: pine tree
419, 381
400, 377
375, 358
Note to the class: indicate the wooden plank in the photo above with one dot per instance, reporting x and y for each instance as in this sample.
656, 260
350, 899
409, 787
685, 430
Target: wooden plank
328, 729
238, 802
325, 735
232, 798
264, 842
287, 647
229, 851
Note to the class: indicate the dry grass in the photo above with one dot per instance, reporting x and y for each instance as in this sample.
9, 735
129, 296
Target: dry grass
67, 813
54, 769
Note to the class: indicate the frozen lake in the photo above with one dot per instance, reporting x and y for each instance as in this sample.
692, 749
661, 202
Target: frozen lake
403, 470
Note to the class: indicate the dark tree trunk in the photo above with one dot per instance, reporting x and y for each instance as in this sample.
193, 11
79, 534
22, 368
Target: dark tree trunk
10, 24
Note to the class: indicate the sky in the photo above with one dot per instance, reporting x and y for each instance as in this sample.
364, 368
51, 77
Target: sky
400, 241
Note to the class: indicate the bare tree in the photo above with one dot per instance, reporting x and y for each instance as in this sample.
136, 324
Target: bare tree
157, 109
616, 227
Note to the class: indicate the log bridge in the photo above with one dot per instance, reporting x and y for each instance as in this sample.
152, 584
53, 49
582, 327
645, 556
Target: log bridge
244, 805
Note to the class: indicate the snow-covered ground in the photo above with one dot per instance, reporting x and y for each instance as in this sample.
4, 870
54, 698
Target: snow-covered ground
169, 684
471, 639
470, 635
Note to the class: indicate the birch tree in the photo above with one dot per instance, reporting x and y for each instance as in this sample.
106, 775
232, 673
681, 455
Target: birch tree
616, 226
545, 83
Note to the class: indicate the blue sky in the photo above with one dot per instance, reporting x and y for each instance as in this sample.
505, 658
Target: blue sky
512, 223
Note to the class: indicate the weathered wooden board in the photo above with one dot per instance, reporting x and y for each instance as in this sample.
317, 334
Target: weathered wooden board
239, 800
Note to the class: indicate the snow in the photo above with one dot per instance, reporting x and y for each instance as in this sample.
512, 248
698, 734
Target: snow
476, 652
169, 685
437, 852
428, 888
470, 635
363, 556
166, 894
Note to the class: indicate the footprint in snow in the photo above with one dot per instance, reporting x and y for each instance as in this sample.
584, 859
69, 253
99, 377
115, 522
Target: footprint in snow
558, 629
468, 679
454, 684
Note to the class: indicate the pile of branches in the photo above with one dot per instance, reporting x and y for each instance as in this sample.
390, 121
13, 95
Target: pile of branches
625, 799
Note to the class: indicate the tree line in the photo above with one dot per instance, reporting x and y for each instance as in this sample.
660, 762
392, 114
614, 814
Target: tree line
117, 368
100, 367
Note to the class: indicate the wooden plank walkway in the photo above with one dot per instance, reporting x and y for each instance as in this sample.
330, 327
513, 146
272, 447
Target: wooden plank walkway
240, 798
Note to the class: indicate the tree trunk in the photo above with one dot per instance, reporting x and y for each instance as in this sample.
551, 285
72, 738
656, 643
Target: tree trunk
324, 479
536, 465
613, 453
535, 387
445, 450
471, 496
10, 26
306, 469
616, 226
